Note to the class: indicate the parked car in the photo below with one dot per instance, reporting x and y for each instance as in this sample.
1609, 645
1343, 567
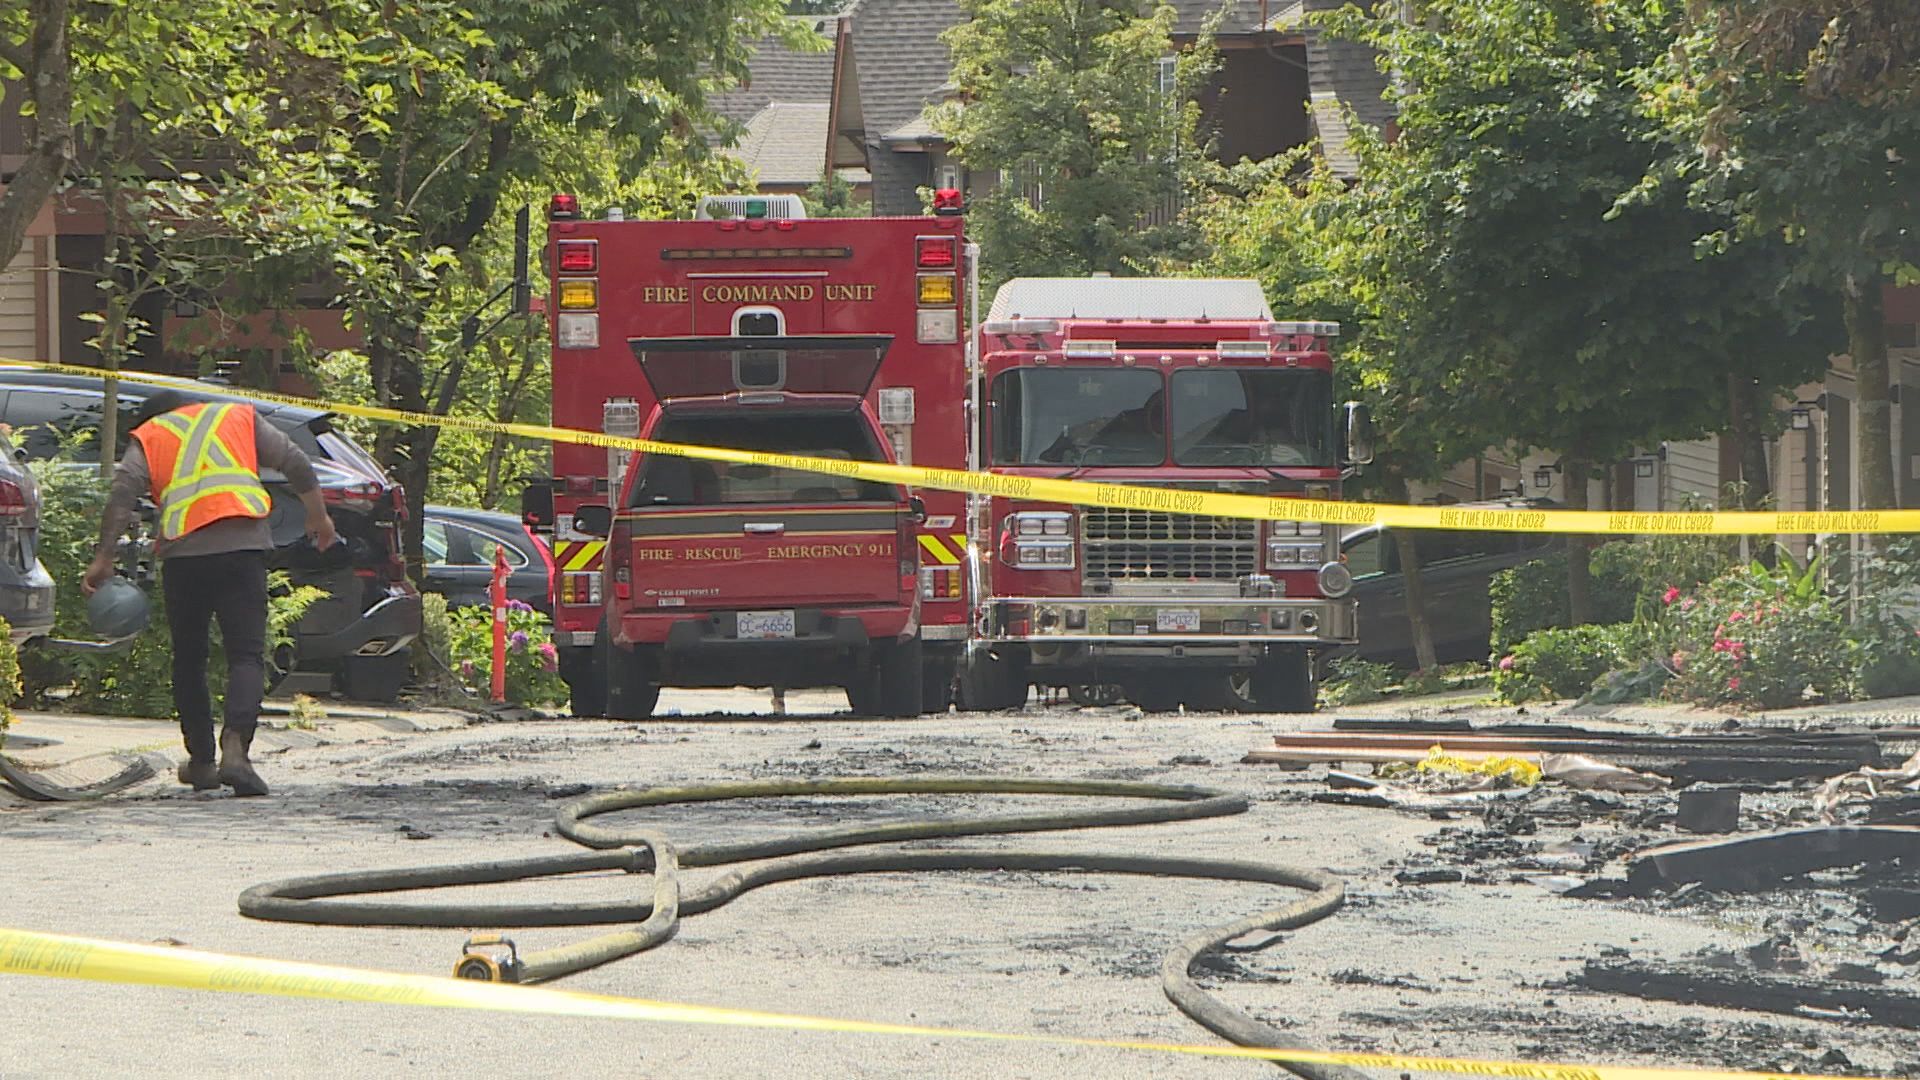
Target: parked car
26, 589
460, 544
360, 633
1456, 567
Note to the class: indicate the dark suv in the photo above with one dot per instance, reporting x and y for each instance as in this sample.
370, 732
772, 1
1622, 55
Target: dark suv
361, 632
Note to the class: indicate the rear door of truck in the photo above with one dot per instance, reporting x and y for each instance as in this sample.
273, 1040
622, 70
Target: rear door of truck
762, 540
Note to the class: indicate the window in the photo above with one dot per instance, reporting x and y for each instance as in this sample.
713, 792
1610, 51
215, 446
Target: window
1090, 416
1370, 555
674, 481
448, 544
434, 543
1276, 419
46, 420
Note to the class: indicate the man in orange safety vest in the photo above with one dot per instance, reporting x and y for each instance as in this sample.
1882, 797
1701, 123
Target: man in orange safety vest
200, 463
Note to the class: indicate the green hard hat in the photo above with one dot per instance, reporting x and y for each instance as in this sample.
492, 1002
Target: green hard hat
118, 609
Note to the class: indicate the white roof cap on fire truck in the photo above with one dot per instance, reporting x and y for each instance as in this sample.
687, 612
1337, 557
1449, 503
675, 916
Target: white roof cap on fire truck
1177, 299
770, 207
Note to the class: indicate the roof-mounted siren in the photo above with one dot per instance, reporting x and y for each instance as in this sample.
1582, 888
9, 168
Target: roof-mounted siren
563, 208
750, 208
948, 202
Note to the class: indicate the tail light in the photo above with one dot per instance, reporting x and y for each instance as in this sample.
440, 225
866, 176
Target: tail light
546, 559
939, 583
935, 252
13, 499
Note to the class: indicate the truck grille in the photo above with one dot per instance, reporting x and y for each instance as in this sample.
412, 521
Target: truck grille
1150, 545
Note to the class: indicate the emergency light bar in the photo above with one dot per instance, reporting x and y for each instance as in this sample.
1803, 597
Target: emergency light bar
1007, 327
1090, 350
1304, 329
1242, 349
750, 207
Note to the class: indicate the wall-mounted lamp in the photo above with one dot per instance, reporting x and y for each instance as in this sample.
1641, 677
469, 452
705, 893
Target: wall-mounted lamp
1801, 417
1543, 476
1643, 468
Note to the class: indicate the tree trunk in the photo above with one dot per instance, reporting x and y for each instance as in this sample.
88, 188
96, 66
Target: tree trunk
1579, 580
1403, 542
394, 357
1867, 342
49, 86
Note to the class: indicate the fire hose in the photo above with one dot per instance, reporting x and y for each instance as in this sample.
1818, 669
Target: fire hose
314, 900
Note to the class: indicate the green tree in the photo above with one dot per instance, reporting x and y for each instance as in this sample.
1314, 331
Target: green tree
485, 95
36, 55
1801, 119
1572, 320
1088, 113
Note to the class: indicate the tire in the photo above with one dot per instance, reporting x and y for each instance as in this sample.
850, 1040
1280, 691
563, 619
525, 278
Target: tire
990, 683
1284, 682
1096, 694
936, 682
633, 686
1155, 696
376, 678
893, 683
585, 672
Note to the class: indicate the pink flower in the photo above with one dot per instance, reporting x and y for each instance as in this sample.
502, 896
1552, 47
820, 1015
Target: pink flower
1736, 616
1687, 604
549, 662
1670, 595
548, 651
466, 668
1506, 663
1733, 683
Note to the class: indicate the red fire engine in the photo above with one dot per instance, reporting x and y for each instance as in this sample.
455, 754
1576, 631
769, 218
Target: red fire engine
1177, 382
753, 327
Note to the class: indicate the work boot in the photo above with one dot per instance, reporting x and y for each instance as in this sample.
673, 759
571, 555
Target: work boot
200, 774
236, 771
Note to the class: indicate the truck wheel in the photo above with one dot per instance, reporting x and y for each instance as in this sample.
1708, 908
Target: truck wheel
936, 683
1156, 695
585, 672
902, 679
1095, 694
1283, 683
376, 678
633, 686
990, 683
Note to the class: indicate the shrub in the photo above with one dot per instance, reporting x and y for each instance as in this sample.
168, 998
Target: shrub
1557, 663
533, 663
1533, 596
9, 678
1356, 681
1760, 638
1884, 632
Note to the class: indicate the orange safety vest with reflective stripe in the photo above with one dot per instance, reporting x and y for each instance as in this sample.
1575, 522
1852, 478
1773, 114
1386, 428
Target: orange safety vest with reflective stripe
203, 466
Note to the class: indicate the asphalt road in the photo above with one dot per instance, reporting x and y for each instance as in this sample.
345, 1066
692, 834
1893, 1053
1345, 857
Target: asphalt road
1472, 968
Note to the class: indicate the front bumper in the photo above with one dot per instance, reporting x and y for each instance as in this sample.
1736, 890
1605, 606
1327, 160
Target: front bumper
387, 627
1157, 625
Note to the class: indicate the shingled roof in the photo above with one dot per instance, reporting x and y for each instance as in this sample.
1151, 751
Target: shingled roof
779, 74
783, 141
897, 54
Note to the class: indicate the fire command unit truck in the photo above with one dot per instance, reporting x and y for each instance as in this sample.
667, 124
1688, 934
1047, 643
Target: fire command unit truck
1181, 383
752, 327
755, 328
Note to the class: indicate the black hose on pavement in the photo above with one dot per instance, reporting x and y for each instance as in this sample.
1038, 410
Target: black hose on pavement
312, 899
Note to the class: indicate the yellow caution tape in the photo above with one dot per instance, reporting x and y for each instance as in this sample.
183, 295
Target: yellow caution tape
24, 952
1125, 496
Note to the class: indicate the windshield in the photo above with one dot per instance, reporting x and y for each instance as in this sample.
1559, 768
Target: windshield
1269, 418
677, 481
1104, 416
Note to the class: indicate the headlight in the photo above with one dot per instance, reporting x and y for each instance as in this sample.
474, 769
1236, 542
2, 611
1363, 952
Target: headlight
1043, 555
1292, 555
1335, 580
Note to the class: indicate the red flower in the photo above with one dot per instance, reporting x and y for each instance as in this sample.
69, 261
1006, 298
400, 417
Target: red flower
1733, 683
1670, 595
1506, 663
1736, 616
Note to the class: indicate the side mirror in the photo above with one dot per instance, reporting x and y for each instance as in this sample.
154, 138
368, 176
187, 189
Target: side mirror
536, 503
917, 509
1359, 425
593, 519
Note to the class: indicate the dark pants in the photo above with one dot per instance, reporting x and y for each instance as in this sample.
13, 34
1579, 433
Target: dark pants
230, 587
